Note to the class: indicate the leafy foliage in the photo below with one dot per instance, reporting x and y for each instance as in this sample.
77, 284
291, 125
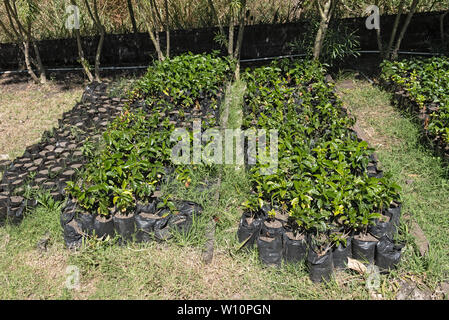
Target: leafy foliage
427, 83
339, 43
185, 79
136, 149
321, 179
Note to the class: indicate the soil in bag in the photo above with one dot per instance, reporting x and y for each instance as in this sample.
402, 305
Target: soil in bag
383, 226
320, 266
388, 254
249, 229
161, 227
395, 212
4, 200
68, 213
87, 222
15, 214
146, 207
341, 253
183, 219
270, 250
145, 223
272, 228
295, 247
263, 212
364, 248
125, 226
73, 235
103, 227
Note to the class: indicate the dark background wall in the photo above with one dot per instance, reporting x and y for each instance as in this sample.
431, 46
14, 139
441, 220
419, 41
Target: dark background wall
259, 41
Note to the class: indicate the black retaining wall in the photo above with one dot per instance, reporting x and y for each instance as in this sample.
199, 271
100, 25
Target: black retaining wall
259, 41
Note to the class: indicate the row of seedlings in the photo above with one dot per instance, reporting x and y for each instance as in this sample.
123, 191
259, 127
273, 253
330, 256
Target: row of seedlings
326, 201
117, 192
421, 87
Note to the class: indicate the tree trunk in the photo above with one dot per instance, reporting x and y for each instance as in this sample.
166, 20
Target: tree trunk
155, 39
40, 65
379, 36
231, 35
83, 61
443, 40
325, 15
157, 43
387, 53
26, 53
415, 3
238, 48
167, 30
154, 34
132, 17
97, 21
24, 34
98, 55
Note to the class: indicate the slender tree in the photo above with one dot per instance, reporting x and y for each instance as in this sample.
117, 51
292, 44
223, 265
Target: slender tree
154, 23
131, 16
21, 15
413, 7
326, 10
237, 11
82, 59
92, 9
391, 49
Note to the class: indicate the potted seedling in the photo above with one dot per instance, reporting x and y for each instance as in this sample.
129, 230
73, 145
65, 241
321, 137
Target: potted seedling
165, 211
148, 215
250, 222
273, 227
295, 243
123, 217
319, 257
342, 248
364, 243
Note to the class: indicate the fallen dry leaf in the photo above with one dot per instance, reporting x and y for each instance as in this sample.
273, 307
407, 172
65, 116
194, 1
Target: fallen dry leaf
356, 266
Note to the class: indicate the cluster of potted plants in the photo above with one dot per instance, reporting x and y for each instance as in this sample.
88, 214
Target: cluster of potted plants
115, 192
322, 204
421, 85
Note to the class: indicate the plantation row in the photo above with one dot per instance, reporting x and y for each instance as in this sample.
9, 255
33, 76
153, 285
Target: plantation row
325, 197
116, 190
422, 86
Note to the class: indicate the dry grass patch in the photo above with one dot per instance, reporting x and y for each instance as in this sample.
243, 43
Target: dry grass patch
27, 110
